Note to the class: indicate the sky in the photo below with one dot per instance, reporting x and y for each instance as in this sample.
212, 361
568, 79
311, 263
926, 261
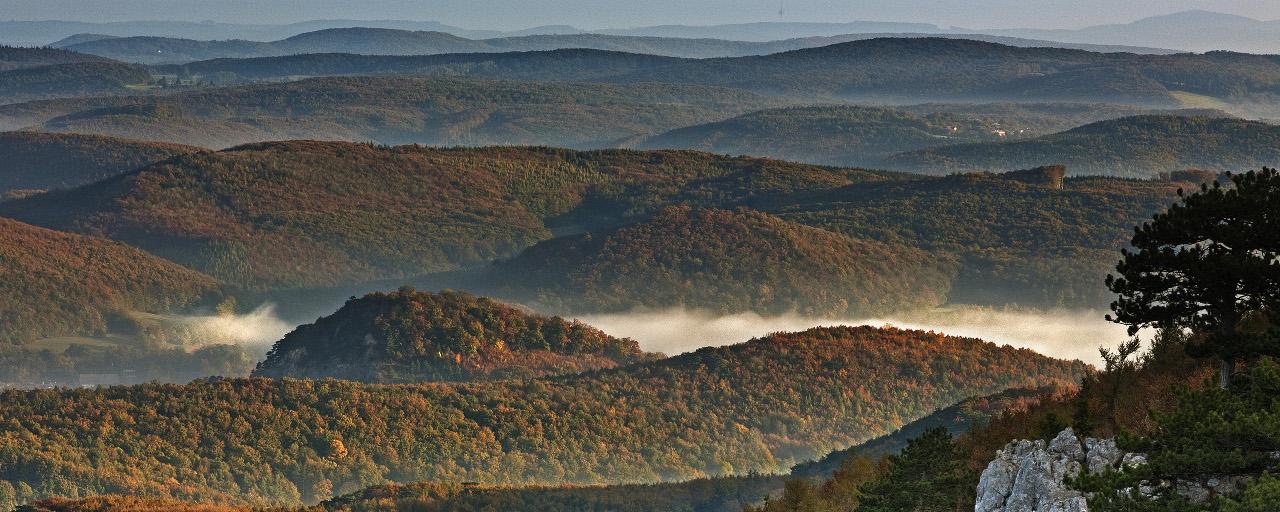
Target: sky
516, 14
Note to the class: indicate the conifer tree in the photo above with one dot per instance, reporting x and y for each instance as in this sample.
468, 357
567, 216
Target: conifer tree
1207, 264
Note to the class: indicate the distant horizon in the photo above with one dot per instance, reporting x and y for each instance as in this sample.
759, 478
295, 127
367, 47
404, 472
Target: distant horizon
947, 17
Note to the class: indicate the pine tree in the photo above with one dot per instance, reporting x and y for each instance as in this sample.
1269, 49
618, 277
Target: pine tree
926, 477
1207, 264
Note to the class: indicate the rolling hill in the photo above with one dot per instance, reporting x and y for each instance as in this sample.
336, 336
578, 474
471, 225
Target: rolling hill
261, 216
69, 80
711, 412
12, 58
384, 41
725, 261
835, 135
882, 70
394, 110
36, 161
60, 284
1141, 146
409, 336
868, 136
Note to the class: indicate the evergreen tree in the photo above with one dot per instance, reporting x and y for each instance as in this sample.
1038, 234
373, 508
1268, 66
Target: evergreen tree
1208, 264
926, 477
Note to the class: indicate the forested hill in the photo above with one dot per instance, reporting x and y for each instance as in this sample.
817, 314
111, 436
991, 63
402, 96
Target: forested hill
12, 58
408, 336
310, 214
716, 411
298, 214
900, 70
1141, 146
72, 79
396, 110
62, 284
728, 261
868, 136
833, 135
36, 161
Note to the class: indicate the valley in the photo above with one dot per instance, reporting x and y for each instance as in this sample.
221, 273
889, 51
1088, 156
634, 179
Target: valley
704, 264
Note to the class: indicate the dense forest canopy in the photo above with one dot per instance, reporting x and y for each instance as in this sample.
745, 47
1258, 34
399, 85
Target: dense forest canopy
728, 261
1139, 147
37, 161
716, 411
59, 284
408, 336
251, 214
394, 110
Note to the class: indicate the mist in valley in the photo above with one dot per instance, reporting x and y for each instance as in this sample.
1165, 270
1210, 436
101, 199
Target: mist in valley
1066, 334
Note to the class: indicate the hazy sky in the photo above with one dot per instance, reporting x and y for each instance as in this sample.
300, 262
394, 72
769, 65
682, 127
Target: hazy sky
511, 14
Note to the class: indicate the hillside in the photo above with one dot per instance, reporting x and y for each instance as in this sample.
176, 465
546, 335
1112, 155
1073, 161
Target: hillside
967, 415
409, 336
386, 41
12, 58
58, 284
70, 79
711, 412
868, 137
1141, 146
394, 110
835, 135
882, 70
725, 261
41, 161
261, 216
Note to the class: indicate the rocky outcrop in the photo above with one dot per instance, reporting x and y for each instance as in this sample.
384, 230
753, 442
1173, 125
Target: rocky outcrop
1030, 476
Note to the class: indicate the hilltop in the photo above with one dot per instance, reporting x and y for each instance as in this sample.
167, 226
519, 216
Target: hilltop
59, 284
716, 411
726, 261
408, 336
395, 110
1140, 146
36, 161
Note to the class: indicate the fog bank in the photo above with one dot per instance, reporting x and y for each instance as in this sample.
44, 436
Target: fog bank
1066, 334
259, 328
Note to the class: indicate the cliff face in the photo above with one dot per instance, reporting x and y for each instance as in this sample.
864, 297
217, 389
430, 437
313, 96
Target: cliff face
1029, 476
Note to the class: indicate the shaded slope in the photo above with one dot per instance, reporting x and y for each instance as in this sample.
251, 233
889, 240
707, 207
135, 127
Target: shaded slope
294, 214
408, 336
42, 161
59, 284
826, 135
727, 261
396, 110
1141, 146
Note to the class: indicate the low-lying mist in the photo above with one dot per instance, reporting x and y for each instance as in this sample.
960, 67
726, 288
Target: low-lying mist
256, 330
1066, 334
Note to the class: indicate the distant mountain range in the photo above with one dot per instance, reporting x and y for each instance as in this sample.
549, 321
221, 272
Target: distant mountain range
1188, 31
1199, 31
380, 41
